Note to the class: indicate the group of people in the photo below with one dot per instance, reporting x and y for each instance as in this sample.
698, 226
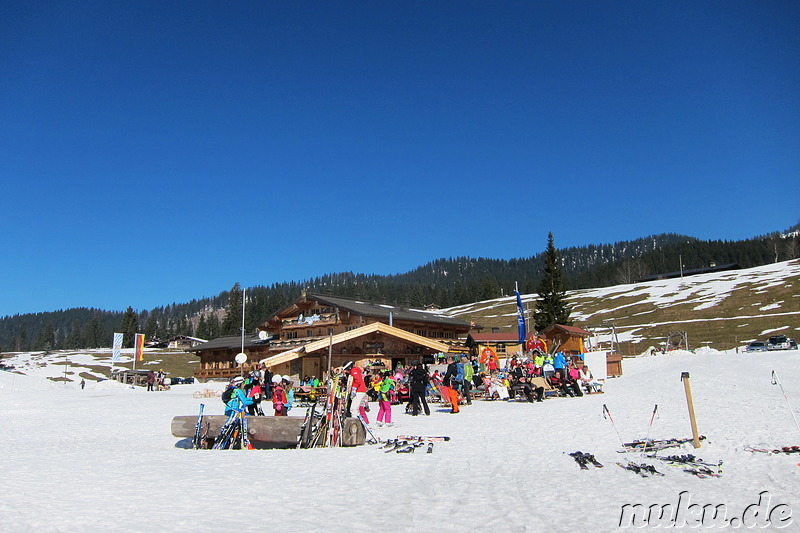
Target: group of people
461, 379
247, 393
157, 380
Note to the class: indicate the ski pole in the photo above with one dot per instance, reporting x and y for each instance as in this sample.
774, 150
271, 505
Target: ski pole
647, 438
776, 382
607, 414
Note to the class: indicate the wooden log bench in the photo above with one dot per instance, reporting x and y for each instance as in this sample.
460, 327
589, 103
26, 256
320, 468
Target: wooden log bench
266, 432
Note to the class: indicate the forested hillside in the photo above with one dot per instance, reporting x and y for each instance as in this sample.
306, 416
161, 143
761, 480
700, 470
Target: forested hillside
445, 282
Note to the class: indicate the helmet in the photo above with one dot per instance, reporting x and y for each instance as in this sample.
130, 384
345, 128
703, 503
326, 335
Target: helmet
348, 365
277, 378
238, 380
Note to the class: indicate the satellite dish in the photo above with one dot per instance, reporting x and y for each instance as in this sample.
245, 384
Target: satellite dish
240, 358
262, 335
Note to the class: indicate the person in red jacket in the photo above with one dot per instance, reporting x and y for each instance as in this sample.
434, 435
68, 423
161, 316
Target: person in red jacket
358, 391
278, 396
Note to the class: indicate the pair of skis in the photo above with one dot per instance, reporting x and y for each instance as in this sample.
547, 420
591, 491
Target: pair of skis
643, 469
404, 446
585, 459
784, 450
692, 465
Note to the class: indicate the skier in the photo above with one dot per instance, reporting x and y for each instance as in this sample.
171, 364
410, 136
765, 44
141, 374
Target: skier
385, 388
450, 382
278, 396
254, 394
151, 379
418, 384
358, 391
466, 380
239, 399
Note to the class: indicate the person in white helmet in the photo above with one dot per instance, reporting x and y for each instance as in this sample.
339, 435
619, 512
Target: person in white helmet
238, 399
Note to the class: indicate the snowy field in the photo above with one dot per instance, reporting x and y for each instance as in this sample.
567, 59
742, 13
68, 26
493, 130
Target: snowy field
103, 459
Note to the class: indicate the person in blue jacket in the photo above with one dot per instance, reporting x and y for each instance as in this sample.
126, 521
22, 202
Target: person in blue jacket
239, 399
560, 363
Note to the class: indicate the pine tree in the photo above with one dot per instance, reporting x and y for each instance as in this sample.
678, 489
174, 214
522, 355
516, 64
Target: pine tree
551, 308
46, 340
232, 323
129, 327
202, 331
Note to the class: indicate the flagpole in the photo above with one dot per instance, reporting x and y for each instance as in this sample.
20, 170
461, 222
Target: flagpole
244, 295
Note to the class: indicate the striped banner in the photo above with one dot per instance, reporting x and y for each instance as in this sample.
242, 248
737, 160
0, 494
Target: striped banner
139, 346
117, 346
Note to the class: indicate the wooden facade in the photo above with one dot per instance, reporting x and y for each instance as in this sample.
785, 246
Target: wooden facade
505, 345
314, 319
566, 339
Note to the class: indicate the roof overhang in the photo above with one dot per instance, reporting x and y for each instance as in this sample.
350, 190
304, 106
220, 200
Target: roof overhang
376, 327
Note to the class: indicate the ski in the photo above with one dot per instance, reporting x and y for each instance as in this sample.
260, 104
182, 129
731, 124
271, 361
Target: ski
632, 467
785, 450
245, 434
372, 438
585, 459
224, 432
702, 472
656, 445
688, 460
642, 469
397, 445
578, 456
419, 437
198, 427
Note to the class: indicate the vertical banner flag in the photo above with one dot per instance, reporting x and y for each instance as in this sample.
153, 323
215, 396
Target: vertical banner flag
139, 346
117, 346
521, 320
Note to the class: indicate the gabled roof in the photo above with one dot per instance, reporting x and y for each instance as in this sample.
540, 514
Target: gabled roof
572, 330
354, 334
382, 311
511, 336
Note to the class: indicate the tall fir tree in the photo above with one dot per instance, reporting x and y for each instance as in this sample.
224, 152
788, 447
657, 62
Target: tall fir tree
129, 326
551, 308
232, 324
46, 340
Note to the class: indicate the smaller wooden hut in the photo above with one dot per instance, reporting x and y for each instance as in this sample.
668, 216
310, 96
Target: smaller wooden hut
566, 339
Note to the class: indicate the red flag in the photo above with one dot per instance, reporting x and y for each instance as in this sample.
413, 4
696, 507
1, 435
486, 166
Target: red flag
139, 346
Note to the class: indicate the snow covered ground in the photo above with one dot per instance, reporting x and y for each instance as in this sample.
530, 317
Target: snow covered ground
103, 459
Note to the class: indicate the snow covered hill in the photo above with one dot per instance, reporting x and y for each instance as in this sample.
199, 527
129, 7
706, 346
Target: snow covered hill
103, 459
724, 309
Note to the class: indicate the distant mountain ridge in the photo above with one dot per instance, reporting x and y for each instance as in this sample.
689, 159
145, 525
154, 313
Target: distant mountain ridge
445, 282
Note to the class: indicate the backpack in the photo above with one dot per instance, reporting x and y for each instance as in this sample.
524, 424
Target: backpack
227, 395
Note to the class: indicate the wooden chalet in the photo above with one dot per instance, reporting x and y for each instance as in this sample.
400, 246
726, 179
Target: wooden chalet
375, 345
504, 344
315, 319
567, 339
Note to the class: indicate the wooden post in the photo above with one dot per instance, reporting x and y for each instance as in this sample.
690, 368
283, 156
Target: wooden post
688, 389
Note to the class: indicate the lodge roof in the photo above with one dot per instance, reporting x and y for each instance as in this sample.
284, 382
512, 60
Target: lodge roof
511, 336
234, 341
571, 330
382, 311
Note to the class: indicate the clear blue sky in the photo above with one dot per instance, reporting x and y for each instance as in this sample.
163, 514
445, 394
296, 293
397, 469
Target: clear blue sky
155, 152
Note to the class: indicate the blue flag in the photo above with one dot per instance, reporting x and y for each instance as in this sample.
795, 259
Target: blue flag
521, 320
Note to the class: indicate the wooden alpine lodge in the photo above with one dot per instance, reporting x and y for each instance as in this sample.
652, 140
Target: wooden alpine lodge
318, 332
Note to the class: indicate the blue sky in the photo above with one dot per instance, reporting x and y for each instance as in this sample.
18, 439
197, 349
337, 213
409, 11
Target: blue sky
156, 152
